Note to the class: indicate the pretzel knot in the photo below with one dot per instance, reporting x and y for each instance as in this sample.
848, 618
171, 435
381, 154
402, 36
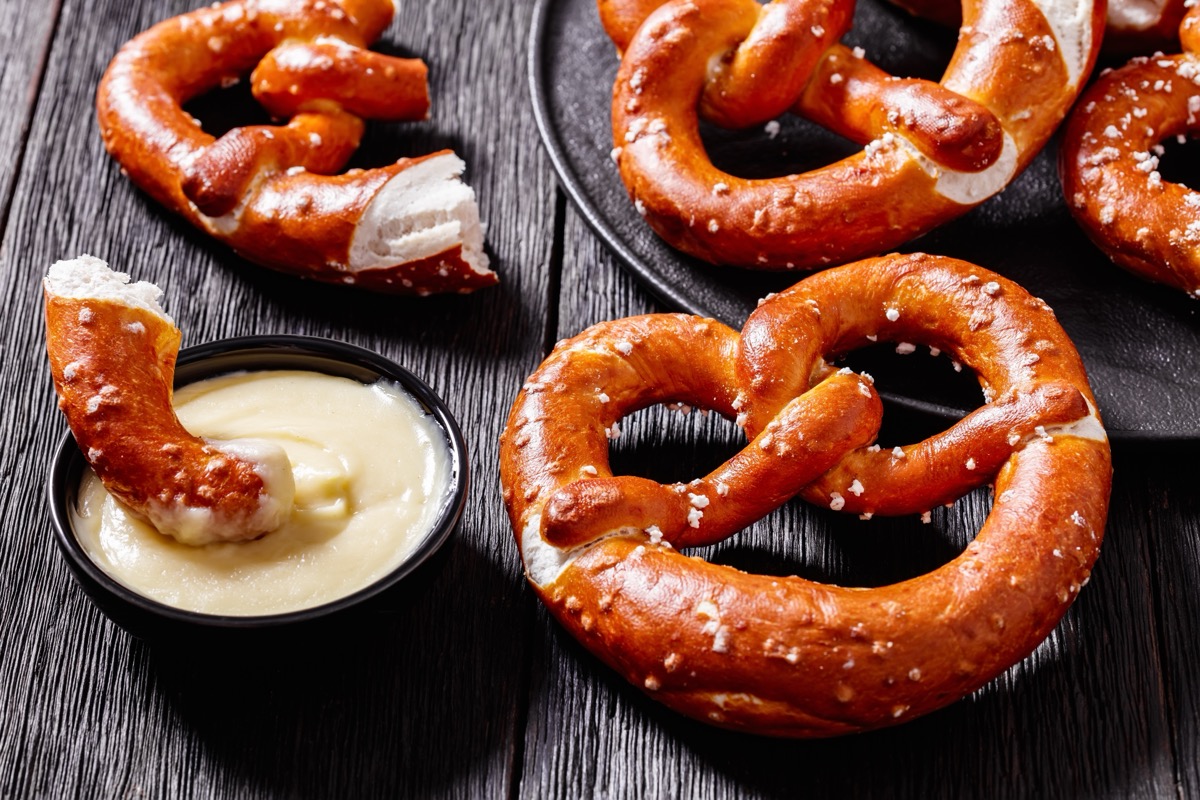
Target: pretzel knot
932, 150
782, 655
273, 192
1109, 164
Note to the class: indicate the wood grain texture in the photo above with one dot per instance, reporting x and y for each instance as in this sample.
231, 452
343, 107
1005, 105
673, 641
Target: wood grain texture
24, 44
420, 700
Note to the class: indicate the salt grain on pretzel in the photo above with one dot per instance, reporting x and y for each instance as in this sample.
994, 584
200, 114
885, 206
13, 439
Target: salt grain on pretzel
782, 655
112, 355
1108, 163
272, 192
931, 151
1131, 26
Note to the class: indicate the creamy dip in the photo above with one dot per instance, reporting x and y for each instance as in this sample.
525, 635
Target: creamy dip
371, 469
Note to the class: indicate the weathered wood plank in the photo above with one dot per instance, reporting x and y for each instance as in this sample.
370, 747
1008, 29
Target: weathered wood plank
426, 701
25, 31
1168, 516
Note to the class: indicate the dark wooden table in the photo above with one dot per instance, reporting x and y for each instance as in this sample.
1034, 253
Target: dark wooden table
467, 688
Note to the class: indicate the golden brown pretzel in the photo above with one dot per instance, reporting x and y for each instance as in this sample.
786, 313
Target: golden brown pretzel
1131, 26
1108, 163
786, 656
273, 192
932, 151
112, 355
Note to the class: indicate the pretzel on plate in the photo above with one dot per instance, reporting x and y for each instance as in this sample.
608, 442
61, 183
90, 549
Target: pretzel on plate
932, 150
782, 655
1108, 163
272, 192
112, 356
1131, 26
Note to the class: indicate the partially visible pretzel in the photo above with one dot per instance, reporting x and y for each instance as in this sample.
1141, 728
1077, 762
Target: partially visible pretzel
1131, 26
933, 151
1108, 163
272, 192
782, 655
112, 355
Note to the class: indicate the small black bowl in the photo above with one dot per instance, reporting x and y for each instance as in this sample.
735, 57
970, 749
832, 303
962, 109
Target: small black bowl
152, 620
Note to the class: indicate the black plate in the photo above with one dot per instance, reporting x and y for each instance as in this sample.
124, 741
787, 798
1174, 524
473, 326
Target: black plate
1141, 343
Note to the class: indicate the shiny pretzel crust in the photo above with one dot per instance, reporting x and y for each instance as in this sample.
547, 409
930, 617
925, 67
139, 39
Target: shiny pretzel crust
932, 151
781, 655
1108, 163
113, 362
271, 192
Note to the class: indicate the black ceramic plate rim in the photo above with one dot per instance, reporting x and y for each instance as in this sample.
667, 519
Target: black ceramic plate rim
68, 463
575, 188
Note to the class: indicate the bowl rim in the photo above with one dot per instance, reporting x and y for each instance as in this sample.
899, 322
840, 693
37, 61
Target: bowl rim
67, 465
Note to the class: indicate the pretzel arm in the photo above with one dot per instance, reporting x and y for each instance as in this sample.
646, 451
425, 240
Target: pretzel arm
942, 468
225, 171
112, 355
622, 18
777, 47
808, 436
301, 76
856, 99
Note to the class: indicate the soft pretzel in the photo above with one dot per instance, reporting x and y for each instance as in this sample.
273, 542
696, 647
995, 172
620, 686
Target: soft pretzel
112, 355
1108, 163
1131, 26
273, 192
932, 151
782, 655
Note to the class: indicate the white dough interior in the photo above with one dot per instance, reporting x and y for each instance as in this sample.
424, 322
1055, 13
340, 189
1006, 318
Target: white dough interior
1071, 22
89, 278
422, 211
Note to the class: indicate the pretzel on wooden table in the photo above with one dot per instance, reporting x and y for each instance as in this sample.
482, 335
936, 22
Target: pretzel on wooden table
272, 192
1109, 162
782, 655
932, 150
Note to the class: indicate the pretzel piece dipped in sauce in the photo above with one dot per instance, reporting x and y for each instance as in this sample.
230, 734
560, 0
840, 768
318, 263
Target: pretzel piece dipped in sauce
112, 356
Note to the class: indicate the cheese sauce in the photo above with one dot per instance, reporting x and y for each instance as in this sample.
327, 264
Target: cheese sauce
371, 469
